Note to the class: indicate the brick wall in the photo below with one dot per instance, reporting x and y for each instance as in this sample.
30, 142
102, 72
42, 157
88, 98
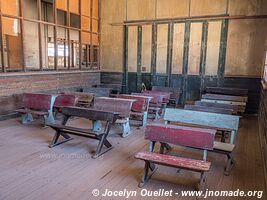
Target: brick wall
13, 85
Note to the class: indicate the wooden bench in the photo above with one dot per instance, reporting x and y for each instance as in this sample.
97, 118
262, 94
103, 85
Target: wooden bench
209, 109
227, 91
175, 94
64, 100
218, 105
121, 106
40, 105
219, 122
227, 99
98, 91
139, 107
95, 132
84, 99
198, 138
155, 105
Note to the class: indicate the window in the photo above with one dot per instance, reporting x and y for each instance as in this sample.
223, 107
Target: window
49, 35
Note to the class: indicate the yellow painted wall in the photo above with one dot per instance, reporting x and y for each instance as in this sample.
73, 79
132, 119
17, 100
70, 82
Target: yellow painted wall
245, 39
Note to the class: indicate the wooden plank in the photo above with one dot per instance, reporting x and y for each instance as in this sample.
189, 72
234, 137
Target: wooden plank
236, 103
224, 97
146, 48
140, 105
140, 9
37, 101
64, 100
92, 114
121, 106
209, 109
172, 9
178, 48
199, 138
173, 161
29, 158
194, 48
208, 7
212, 120
216, 105
213, 47
132, 49
227, 91
162, 44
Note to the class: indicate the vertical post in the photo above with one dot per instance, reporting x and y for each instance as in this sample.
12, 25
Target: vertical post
154, 54
22, 34
40, 35
91, 36
125, 69
139, 59
99, 33
68, 34
185, 58
203, 55
169, 53
1, 43
80, 35
55, 35
222, 54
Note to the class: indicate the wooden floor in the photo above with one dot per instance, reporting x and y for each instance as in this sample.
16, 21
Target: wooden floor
30, 170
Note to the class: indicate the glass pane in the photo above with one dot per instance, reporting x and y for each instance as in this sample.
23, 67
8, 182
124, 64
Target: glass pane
86, 7
85, 56
62, 48
74, 6
86, 22
95, 39
48, 51
12, 43
30, 5
62, 4
31, 45
10, 7
86, 38
95, 57
74, 50
61, 17
74, 20
95, 9
95, 26
47, 11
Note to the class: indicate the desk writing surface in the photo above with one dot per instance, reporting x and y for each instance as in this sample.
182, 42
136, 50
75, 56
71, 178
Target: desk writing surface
215, 120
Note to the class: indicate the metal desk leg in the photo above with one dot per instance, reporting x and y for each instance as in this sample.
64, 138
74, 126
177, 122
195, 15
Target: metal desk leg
233, 137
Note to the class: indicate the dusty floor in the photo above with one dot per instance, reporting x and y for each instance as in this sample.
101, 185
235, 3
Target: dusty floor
30, 170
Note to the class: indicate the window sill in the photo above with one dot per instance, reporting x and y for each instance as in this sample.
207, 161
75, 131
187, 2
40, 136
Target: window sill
46, 73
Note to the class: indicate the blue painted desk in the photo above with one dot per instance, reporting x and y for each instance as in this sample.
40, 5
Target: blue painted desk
204, 119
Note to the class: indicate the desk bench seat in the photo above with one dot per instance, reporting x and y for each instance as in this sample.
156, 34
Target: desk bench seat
37, 104
34, 112
174, 161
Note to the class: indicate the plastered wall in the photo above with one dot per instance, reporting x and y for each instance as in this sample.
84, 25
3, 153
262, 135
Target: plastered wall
245, 44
